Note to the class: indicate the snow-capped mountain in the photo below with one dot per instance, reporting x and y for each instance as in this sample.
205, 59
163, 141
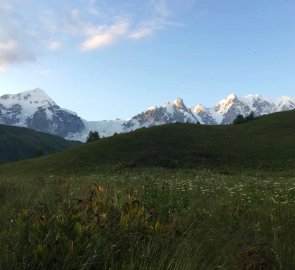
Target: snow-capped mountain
35, 109
168, 113
224, 112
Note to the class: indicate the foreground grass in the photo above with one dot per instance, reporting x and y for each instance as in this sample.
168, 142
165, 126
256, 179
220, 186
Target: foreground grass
148, 219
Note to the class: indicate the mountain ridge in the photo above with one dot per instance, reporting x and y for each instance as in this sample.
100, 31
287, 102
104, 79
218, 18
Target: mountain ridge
17, 143
36, 110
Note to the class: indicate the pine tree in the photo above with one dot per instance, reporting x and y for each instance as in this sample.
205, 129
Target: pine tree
239, 119
92, 136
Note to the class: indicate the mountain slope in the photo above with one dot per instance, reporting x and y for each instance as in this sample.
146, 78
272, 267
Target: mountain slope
22, 143
265, 143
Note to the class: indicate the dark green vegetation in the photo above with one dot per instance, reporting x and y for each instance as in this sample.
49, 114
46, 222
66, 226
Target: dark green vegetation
93, 136
22, 143
240, 119
171, 197
148, 219
266, 143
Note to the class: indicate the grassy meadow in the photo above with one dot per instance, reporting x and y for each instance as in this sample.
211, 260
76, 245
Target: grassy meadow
171, 197
148, 219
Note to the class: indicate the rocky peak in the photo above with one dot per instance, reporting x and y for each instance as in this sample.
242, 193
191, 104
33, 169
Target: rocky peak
226, 103
199, 108
178, 103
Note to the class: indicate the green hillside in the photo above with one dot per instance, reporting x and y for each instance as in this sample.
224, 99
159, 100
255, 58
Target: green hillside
22, 143
266, 143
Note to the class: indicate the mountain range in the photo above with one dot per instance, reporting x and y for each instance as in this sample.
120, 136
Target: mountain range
36, 110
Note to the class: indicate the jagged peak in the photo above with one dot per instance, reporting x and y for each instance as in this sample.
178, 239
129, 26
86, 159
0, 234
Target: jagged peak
284, 100
178, 102
199, 108
231, 96
226, 102
255, 97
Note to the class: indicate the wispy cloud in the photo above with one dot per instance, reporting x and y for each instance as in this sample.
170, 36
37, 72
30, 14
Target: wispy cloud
97, 41
54, 45
14, 48
85, 24
142, 32
103, 36
11, 52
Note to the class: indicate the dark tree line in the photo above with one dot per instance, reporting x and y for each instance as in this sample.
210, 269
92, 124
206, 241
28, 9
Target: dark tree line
92, 137
241, 119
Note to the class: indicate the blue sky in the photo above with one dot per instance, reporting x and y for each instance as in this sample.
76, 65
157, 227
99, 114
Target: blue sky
109, 59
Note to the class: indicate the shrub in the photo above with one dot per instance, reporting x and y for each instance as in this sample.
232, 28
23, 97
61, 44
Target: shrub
98, 232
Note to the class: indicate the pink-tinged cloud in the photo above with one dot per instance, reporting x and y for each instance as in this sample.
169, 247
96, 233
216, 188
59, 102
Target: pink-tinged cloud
98, 41
142, 33
103, 36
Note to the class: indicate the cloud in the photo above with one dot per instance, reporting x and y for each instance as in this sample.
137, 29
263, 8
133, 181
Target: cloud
5, 6
142, 33
159, 19
54, 45
103, 36
14, 48
97, 41
11, 53
28, 31
162, 8
146, 29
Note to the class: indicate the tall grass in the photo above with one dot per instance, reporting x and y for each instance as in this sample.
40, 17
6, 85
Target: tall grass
148, 219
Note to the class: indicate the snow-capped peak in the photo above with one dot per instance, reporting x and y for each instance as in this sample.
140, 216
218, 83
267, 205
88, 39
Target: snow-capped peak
199, 108
231, 96
226, 103
37, 97
178, 103
35, 109
284, 103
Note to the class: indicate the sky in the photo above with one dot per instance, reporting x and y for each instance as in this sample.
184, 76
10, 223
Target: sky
108, 59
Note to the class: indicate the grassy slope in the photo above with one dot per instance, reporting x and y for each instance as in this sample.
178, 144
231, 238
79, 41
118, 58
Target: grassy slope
21, 143
266, 143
